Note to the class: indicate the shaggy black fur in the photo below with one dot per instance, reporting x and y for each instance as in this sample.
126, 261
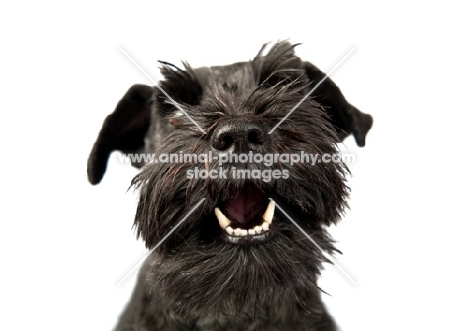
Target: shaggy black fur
197, 280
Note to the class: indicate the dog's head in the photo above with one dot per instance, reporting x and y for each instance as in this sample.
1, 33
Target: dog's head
239, 246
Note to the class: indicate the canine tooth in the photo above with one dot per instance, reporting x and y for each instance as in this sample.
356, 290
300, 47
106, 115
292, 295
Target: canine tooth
258, 229
269, 212
237, 232
229, 230
265, 226
223, 220
244, 232
251, 231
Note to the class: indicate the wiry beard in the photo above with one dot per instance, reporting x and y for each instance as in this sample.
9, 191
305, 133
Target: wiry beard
214, 279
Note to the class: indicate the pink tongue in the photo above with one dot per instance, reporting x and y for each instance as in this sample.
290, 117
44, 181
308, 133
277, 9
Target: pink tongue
247, 205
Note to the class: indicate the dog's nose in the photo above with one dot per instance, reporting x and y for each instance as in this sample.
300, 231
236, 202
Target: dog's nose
237, 136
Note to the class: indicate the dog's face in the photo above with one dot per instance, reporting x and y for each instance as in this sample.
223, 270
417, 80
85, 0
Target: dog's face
237, 250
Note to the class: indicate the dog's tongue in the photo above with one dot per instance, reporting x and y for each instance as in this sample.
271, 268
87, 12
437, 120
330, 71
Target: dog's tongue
247, 204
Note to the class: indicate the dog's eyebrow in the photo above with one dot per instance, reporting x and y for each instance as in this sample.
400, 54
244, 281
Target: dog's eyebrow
312, 90
176, 104
169, 65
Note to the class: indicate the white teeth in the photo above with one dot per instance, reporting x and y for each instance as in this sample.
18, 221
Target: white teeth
270, 211
243, 232
223, 220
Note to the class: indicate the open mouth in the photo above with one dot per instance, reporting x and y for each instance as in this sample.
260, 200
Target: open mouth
246, 218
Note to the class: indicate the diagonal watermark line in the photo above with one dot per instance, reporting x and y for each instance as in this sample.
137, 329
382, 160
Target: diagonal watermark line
311, 91
324, 253
160, 88
162, 240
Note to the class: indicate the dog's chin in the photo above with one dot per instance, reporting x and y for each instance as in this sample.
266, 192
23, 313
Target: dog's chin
224, 279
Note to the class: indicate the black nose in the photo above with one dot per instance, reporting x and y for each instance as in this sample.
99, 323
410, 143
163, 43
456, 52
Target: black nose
237, 136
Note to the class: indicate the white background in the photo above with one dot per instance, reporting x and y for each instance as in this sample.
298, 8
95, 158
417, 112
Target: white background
65, 245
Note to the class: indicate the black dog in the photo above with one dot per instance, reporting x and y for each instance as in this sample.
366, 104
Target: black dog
227, 267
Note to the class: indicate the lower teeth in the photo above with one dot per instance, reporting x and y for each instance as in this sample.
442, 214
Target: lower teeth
243, 232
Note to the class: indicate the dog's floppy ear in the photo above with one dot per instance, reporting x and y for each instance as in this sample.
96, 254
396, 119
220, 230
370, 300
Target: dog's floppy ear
345, 117
123, 130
